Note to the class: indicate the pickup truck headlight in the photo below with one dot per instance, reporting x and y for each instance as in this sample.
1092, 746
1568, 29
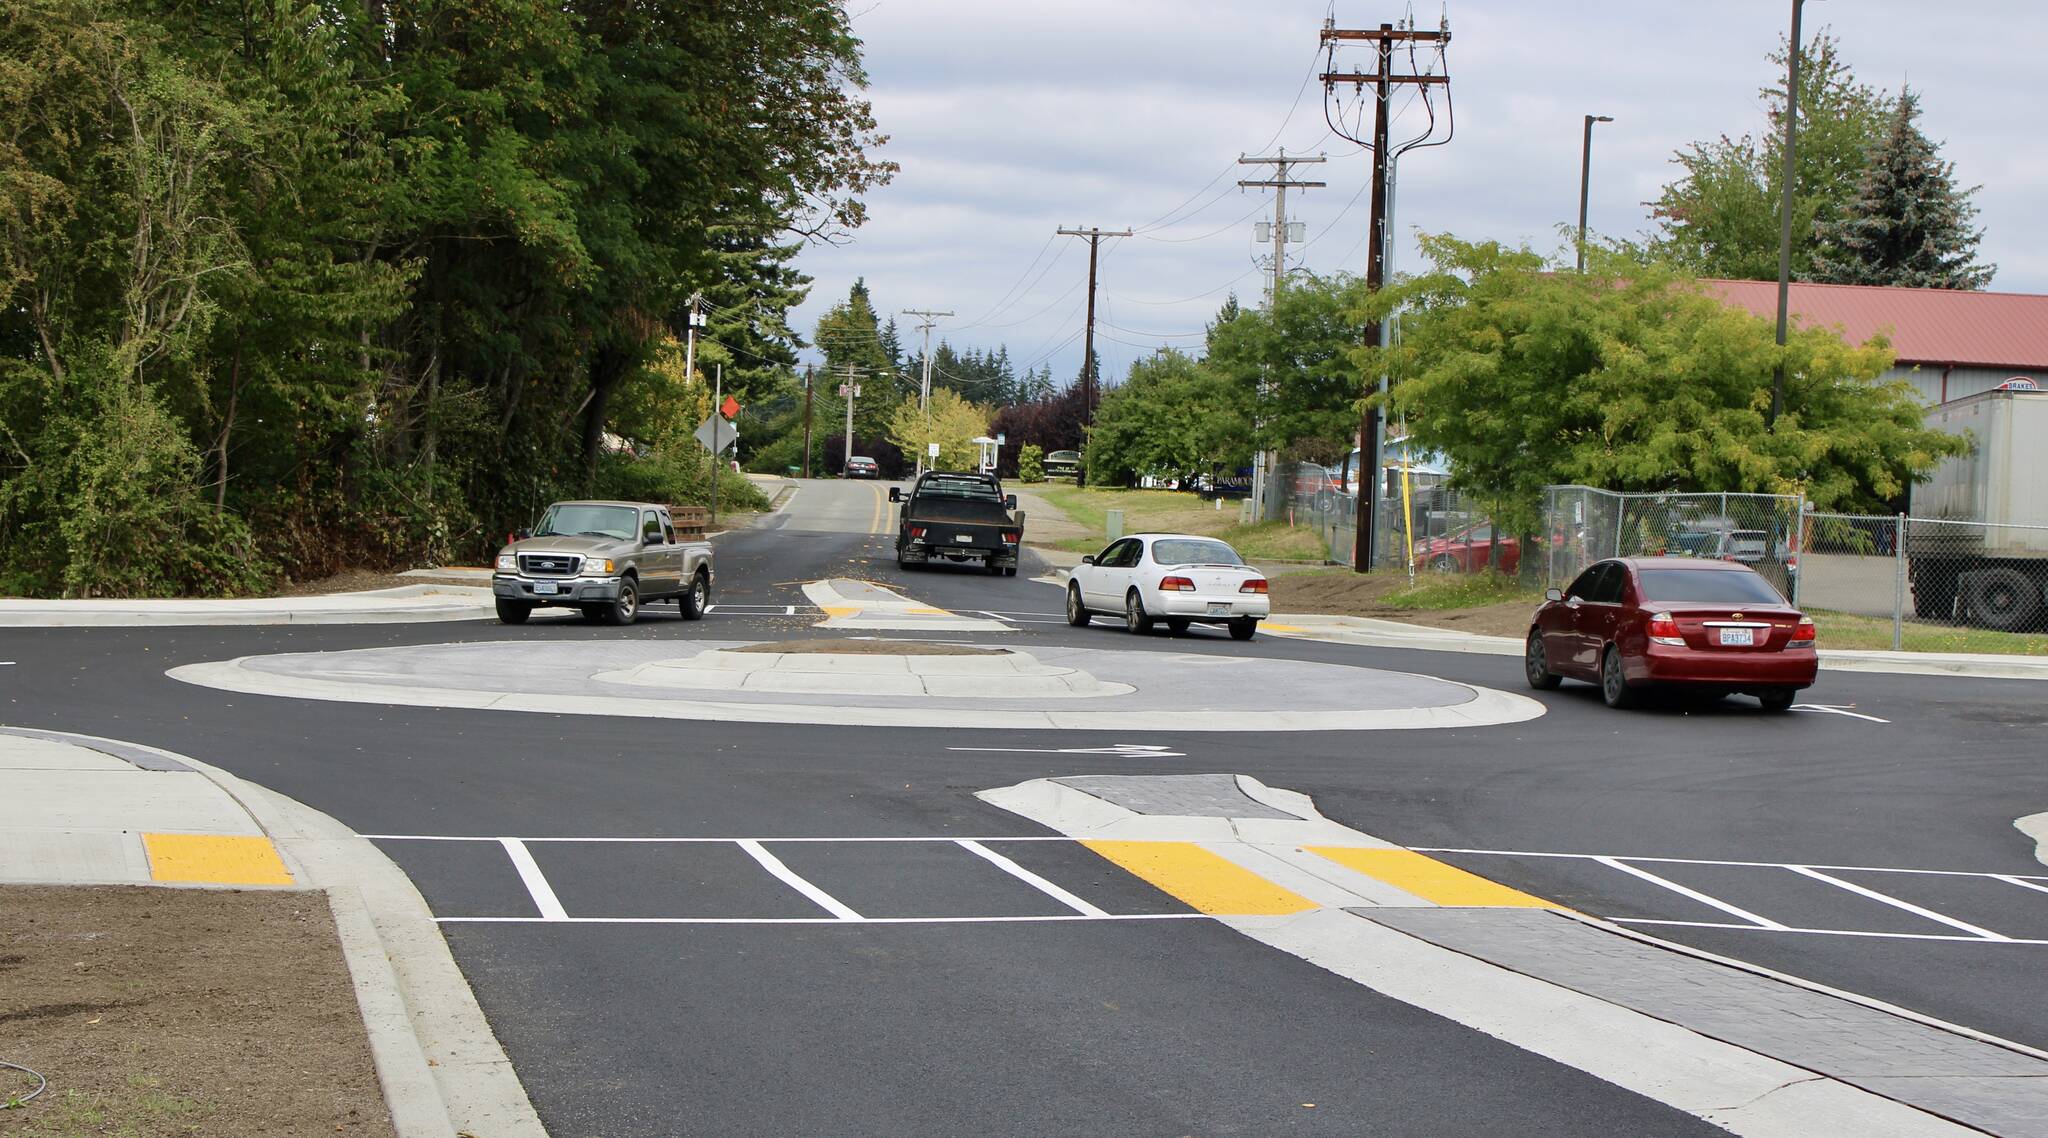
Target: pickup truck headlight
508, 562
596, 566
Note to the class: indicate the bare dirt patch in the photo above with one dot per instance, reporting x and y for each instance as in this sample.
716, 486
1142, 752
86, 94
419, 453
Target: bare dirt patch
161, 1012
347, 581
1343, 593
841, 647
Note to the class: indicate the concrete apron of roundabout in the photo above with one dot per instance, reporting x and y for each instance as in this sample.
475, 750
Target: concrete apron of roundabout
897, 686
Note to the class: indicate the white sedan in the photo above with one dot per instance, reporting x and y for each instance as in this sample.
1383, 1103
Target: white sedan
1175, 577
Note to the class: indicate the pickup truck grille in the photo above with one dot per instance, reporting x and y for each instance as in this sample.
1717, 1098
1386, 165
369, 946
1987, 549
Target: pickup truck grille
549, 564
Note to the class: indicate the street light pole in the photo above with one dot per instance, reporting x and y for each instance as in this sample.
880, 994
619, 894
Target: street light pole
1585, 177
1785, 214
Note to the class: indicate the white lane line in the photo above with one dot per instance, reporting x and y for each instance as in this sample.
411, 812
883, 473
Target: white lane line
789, 610
1127, 750
1831, 709
537, 886
1952, 938
1050, 918
1896, 903
1709, 861
788, 876
725, 841
1761, 922
2022, 882
1030, 878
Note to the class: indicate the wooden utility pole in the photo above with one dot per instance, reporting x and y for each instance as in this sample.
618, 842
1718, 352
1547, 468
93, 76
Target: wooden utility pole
1383, 80
1088, 377
808, 389
1279, 183
924, 391
852, 392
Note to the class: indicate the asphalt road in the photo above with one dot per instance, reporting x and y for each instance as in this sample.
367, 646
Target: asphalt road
1144, 1026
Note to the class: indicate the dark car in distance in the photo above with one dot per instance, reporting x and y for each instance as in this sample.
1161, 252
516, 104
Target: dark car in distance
861, 466
1634, 623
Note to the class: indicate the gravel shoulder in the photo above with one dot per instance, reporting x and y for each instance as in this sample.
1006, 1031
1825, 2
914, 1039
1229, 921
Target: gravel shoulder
156, 1012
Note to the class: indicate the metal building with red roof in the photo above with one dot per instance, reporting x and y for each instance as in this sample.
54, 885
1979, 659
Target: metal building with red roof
1951, 343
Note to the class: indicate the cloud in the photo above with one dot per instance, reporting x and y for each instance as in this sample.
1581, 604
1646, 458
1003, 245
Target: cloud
1011, 120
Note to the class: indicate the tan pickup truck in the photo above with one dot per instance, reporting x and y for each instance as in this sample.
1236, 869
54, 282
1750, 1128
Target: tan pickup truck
605, 558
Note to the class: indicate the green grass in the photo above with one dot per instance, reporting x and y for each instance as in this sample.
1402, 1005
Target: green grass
1462, 591
145, 1111
1846, 630
1177, 511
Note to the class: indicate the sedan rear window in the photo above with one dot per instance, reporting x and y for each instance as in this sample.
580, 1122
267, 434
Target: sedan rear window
1709, 586
1180, 551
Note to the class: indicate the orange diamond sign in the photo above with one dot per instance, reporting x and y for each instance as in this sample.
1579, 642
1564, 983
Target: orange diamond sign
730, 407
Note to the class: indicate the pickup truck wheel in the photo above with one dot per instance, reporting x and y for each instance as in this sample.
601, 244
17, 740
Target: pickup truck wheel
623, 610
1009, 570
1077, 613
696, 598
514, 612
994, 570
1135, 619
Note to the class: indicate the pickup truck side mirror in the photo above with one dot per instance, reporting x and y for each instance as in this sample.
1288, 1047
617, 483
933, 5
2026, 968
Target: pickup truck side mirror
895, 493
1088, 559
651, 539
521, 535
1553, 594
1009, 502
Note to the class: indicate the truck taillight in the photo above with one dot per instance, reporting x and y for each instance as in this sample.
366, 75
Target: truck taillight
1664, 630
917, 531
1805, 634
1011, 537
1255, 585
1176, 585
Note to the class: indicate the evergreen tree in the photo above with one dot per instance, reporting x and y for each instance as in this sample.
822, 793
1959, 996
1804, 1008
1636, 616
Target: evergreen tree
1720, 218
892, 343
1909, 225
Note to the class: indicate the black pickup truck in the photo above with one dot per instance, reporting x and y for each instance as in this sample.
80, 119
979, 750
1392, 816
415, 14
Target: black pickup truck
960, 517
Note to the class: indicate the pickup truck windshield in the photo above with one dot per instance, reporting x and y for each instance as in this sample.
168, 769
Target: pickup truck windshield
957, 488
621, 522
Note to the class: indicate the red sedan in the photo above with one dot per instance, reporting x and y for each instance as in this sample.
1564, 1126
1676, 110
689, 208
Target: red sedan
1639, 622
1467, 551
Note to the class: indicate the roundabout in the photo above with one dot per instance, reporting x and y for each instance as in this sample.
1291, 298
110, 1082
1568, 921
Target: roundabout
877, 684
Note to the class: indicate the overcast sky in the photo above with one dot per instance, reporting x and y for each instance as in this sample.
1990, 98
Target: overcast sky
1013, 119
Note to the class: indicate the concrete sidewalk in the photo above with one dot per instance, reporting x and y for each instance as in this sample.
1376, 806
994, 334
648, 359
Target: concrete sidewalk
80, 810
402, 605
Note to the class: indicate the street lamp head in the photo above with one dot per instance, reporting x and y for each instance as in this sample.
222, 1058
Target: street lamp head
1599, 118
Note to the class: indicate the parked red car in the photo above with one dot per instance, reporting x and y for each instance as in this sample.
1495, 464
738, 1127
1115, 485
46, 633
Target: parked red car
1636, 622
1467, 551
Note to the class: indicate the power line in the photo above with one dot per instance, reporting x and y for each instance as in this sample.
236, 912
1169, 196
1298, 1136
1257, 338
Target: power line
1088, 377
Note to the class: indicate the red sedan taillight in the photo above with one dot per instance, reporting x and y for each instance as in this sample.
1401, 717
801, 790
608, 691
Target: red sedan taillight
1664, 630
1176, 585
1805, 634
1255, 585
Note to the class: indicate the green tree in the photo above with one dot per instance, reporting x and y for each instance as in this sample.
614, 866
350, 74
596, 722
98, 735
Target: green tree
1030, 463
1720, 218
949, 420
1298, 350
1171, 417
1909, 224
1524, 378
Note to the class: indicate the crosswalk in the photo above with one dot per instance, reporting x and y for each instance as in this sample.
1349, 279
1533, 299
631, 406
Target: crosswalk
1881, 902
995, 879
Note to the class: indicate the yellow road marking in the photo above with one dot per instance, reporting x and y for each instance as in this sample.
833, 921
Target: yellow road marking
881, 509
842, 610
214, 859
927, 612
1279, 628
1205, 881
1430, 879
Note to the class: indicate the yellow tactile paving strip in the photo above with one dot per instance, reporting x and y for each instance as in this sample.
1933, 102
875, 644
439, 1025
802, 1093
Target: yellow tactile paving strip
1203, 880
214, 859
1430, 879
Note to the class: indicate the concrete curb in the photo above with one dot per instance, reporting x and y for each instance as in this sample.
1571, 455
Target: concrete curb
376, 606
442, 1070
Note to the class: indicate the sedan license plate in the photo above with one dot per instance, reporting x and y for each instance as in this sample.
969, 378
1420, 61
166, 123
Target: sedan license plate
1219, 608
545, 588
964, 538
1738, 637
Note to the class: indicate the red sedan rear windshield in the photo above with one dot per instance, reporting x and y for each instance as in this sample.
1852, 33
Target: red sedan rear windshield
1708, 585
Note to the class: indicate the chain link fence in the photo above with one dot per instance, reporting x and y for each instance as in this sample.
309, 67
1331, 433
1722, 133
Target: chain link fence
1927, 573
1582, 524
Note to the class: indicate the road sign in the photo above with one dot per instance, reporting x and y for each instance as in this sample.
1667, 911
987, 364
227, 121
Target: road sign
932, 449
856, 391
726, 434
730, 407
